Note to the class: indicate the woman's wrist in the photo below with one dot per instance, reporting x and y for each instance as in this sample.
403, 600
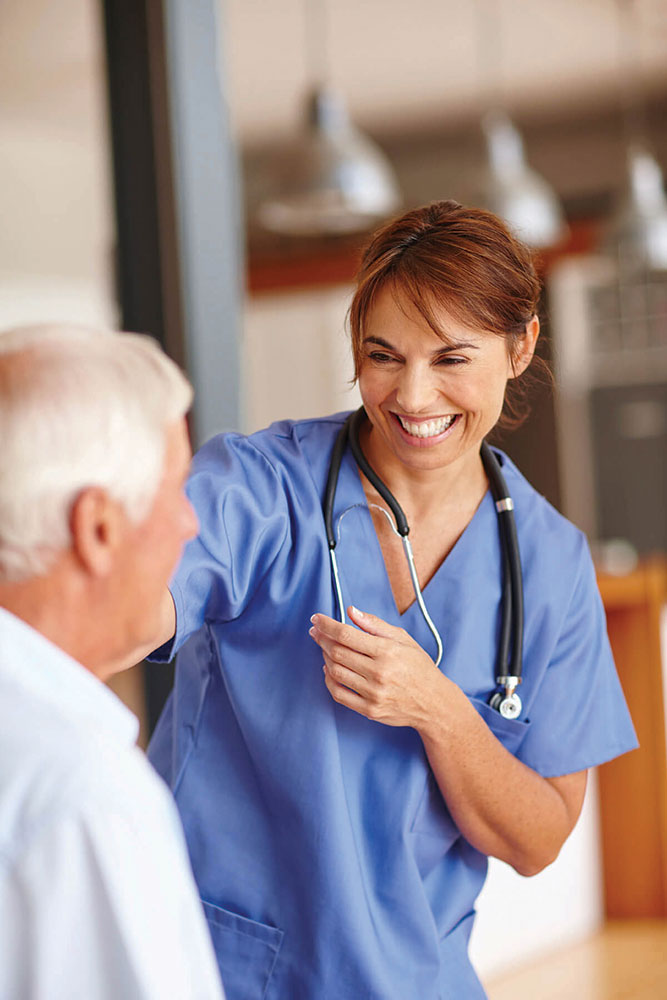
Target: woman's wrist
444, 713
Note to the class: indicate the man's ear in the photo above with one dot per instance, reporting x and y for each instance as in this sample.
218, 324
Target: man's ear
97, 525
527, 345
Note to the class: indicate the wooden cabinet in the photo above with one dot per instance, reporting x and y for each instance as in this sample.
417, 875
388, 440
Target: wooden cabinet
633, 788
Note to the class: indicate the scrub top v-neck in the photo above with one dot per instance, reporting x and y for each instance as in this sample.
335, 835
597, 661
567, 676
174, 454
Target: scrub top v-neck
326, 858
369, 579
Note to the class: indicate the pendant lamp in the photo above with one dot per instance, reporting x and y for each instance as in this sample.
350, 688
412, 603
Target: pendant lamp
509, 187
331, 179
636, 234
514, 191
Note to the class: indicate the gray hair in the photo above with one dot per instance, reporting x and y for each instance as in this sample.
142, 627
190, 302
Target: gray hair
78, 408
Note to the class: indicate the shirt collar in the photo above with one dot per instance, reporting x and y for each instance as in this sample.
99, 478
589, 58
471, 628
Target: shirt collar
32, 663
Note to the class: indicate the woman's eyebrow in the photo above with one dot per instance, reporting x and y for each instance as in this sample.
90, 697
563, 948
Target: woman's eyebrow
445, 349
380, 342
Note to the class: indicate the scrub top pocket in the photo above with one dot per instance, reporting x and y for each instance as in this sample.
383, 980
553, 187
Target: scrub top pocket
510, 732
246, 952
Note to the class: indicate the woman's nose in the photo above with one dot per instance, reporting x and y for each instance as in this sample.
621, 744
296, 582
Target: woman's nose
416, 390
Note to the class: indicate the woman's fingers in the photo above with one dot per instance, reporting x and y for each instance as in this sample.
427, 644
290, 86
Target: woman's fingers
337, 652
374, 625
342, 675
375, 669
364, 638
345, 635
344, 695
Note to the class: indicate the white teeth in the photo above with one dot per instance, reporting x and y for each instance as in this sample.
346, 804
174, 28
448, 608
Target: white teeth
427, 428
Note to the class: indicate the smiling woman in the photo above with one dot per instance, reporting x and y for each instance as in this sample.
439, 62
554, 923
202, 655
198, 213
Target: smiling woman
339, 820
462, 260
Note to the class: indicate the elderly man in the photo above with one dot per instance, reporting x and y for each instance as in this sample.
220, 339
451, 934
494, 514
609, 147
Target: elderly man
96, 894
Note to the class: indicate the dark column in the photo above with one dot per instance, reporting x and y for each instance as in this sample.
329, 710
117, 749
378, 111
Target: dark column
179, 245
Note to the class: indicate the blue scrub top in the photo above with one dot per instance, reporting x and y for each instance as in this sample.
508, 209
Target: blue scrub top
327, 860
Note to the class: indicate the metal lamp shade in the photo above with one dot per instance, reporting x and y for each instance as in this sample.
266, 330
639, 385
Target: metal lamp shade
514, 191
332, 180
637, 233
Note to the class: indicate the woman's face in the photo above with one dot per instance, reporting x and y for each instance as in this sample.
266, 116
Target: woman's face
430, 401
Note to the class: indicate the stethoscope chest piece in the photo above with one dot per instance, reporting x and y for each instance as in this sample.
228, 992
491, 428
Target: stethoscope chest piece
509, 705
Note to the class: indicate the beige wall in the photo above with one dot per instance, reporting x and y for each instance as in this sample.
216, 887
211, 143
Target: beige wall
296, 359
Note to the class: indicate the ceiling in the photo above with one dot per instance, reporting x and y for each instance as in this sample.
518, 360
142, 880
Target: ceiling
408, 70
401, 64
397, 63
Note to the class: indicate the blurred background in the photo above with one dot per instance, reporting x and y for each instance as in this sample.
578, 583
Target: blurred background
207, 171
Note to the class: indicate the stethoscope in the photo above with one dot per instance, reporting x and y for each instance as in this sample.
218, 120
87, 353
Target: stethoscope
508, 668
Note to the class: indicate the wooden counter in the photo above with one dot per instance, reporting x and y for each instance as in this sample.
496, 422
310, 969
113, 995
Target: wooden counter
633, 788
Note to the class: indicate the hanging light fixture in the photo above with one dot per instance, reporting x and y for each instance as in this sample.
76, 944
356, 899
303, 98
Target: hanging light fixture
332, 179
636, 234
513, 190
510, 188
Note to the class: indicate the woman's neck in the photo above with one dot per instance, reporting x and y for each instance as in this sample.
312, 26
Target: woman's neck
461, 483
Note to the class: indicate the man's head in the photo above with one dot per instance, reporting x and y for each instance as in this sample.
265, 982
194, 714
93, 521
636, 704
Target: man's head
94, 459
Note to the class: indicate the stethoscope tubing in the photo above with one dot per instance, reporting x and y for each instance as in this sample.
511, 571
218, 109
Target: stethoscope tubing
511, 630
510, 646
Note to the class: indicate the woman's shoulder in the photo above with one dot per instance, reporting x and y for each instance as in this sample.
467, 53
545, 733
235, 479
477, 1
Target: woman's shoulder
539, 523
283, 444
319, 430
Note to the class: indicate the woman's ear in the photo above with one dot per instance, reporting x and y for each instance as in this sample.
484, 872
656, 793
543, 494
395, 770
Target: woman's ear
526, 347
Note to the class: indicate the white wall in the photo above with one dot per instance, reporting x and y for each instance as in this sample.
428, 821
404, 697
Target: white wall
296, 358
44, 298
520, 919
57, 231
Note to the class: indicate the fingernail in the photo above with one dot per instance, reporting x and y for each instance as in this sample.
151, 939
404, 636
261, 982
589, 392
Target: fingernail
357, 612
311, 631
312, 618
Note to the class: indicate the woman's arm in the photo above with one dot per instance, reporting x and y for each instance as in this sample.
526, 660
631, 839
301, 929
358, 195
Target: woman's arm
500, 805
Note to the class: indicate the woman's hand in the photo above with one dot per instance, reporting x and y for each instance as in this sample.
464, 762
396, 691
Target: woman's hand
501, 806
378, 670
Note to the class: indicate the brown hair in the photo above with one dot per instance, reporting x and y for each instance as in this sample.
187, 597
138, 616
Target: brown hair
463, 259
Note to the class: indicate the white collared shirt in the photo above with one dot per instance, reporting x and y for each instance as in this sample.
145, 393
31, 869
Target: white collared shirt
97, 898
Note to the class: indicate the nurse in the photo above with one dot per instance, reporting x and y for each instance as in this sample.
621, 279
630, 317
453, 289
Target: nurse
340, 792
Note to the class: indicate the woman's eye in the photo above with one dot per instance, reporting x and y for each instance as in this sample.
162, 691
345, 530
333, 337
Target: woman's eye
450, 360
380, 357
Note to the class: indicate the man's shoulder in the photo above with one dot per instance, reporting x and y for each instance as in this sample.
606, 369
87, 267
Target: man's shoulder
91, 825
60, 776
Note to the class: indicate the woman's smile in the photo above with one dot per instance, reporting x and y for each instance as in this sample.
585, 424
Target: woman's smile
426, 431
